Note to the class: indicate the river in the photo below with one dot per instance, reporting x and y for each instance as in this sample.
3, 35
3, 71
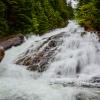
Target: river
60, 81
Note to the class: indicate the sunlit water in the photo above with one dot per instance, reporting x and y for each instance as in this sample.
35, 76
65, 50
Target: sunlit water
61, 81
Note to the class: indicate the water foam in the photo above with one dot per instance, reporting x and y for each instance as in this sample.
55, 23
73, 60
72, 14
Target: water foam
75, 66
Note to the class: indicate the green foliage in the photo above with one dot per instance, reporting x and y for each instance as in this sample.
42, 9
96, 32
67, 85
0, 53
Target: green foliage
88, 14
37, 16
3, 23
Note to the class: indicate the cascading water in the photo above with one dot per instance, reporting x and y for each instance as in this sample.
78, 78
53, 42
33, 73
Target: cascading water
74, 74
73, 3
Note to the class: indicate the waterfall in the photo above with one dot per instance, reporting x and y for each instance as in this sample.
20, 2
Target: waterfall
72, 2
74, 74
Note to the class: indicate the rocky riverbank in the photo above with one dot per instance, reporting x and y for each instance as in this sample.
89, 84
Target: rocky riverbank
8, 42
14, 40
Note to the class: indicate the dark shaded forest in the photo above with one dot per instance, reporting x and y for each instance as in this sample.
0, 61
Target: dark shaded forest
40, 16
37, 16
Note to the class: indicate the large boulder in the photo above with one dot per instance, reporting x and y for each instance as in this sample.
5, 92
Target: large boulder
2, 53
8, 42
38, 60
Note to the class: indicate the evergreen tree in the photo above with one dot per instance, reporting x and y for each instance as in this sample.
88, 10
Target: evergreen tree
88, 14
37, 16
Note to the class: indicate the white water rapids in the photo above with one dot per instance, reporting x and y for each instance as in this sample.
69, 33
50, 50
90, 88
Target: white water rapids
60, 81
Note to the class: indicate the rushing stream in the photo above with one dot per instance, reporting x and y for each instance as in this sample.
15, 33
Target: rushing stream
74, 74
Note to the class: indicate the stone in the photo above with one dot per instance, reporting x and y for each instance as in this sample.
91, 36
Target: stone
2, 53
15, 40
44, 55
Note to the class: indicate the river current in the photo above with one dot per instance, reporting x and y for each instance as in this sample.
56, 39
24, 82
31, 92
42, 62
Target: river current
73, 75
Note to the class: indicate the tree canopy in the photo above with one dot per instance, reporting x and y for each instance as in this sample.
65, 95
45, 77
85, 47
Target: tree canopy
88, 14
37, 16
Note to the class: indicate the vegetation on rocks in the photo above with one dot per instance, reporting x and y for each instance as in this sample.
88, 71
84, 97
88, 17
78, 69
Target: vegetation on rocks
88, 14
37, 16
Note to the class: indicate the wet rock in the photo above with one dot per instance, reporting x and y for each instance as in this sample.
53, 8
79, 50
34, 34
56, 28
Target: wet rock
2, 53
44, 54
7, 43
78, 68
52, 43
95, 80
83, 33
